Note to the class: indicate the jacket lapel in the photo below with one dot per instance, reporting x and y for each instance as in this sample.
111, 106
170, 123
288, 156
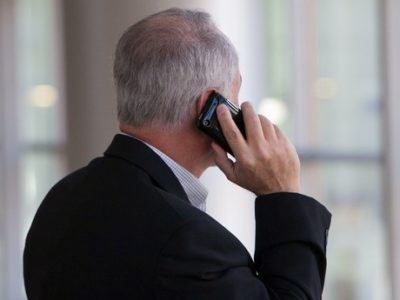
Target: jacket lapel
138, 153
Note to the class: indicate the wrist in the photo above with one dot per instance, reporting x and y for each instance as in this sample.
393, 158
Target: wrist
287, 188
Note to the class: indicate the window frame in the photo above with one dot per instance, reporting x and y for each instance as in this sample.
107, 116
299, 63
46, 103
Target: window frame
11, 259
391, 74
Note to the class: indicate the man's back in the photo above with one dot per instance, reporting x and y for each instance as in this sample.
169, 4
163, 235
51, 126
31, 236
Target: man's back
100, 232
122, 228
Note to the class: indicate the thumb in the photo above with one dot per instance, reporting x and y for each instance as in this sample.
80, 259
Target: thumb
222, 161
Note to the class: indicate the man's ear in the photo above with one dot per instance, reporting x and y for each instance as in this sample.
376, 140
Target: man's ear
201, 101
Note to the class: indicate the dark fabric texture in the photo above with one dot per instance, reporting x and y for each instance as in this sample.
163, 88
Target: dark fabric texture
122, 228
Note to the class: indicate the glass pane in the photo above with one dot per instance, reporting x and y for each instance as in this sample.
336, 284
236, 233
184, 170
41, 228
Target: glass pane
278, 55
39, 104
39, 171
357, 266
348, 88
38, 160
348, 108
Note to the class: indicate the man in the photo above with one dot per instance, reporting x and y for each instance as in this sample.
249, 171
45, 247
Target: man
130, 225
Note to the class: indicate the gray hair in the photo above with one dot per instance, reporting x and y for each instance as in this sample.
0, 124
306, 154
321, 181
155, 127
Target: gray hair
164, 62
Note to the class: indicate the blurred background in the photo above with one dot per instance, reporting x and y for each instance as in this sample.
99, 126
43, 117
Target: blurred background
326, 71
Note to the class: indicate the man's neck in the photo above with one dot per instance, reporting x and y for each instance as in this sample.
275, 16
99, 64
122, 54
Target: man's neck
187, 146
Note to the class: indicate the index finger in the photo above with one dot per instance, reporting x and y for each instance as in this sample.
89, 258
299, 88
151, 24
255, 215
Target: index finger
254, 132
231, 132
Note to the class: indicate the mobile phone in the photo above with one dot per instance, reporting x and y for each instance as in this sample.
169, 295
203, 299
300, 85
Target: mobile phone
208, 121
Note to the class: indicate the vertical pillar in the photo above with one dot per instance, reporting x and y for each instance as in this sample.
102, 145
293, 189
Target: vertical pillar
391, 24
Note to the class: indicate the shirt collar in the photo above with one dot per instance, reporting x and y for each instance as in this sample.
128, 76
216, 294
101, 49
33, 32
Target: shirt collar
194, 189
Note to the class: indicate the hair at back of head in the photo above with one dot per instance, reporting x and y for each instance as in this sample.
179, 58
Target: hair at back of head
165, 61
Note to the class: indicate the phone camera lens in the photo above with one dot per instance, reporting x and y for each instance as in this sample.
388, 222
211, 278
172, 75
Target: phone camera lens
207, 123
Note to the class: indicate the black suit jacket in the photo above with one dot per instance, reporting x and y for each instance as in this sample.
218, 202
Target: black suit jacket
122, 228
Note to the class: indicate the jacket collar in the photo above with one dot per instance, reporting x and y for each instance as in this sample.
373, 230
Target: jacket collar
138, 153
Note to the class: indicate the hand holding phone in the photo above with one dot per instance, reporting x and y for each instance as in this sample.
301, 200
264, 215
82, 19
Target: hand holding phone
208, 121
265, 162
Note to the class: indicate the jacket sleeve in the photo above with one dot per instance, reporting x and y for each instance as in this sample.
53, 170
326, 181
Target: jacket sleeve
202, 260
291, 239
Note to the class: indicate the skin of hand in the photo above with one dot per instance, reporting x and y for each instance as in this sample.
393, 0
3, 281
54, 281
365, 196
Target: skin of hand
265, 162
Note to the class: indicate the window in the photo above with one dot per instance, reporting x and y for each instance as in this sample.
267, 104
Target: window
32, 139
324, 66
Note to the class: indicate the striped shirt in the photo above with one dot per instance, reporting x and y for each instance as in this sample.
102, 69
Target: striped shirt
194, 189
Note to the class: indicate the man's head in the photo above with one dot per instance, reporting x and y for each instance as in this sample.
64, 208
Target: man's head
165, 62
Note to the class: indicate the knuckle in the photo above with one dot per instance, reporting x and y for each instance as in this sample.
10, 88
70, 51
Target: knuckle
260, 152
248, 162
260, 147
254, 118
232, 134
